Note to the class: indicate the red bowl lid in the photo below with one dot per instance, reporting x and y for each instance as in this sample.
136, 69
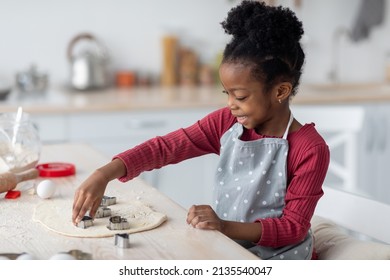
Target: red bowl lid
56, 169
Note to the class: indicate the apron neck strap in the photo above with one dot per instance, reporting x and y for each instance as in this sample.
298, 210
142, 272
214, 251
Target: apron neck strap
288, 126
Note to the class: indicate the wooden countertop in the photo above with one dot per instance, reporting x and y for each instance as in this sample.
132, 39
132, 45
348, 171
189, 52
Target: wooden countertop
174, 239
64, 101
327, 94
59, 100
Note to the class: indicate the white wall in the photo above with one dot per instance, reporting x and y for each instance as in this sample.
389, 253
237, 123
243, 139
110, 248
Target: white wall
39, 31
362, 61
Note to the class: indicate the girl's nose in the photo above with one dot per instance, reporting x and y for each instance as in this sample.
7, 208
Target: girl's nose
231, 102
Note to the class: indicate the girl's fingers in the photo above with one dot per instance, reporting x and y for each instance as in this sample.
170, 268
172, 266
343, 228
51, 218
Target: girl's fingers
202, 217
81, 207
94, 208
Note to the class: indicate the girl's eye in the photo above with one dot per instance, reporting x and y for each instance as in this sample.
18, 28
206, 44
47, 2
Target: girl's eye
238, 98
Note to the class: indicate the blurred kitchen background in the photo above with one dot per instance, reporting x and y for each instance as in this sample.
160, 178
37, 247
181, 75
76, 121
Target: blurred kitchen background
143, 53
39, 32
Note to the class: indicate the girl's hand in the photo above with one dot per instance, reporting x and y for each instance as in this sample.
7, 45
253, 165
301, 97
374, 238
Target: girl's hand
89, 196
204, 217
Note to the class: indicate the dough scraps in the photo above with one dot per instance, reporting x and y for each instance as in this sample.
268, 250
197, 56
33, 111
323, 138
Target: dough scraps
55, 214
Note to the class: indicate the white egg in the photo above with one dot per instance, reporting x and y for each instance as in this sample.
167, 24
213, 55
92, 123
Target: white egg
46, 189
62, 256
25, 256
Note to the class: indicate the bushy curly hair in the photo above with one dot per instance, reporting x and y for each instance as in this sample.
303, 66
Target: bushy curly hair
267, 39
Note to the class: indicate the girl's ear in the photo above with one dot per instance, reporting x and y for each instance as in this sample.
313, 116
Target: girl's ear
283, 92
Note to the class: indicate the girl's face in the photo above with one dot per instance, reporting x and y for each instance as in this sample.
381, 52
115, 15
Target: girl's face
247, 100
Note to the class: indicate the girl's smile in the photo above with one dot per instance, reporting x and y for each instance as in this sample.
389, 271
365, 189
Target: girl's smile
242, 120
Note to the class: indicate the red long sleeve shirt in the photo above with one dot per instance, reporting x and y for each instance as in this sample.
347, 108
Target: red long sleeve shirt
307, 164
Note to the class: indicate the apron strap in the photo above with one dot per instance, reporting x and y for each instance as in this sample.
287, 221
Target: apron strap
288, 126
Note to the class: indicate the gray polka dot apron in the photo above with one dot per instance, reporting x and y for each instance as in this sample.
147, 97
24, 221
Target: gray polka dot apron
251, 184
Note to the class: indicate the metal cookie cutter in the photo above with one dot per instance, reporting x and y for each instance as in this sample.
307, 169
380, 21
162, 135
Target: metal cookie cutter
103, 212
11, 256
80, 255
122, 240
85, 222
118, 223
108, 200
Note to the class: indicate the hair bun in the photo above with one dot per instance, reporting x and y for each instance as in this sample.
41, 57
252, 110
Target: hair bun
271, 29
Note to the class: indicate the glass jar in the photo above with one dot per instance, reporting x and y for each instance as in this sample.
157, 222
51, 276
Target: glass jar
20, 144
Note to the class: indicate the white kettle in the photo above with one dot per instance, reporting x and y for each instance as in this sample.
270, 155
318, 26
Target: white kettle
88, 67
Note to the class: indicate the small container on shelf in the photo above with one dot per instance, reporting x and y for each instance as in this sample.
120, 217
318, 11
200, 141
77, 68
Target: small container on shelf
125, 79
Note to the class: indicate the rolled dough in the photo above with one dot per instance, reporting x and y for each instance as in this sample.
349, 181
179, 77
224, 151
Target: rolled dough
55, 214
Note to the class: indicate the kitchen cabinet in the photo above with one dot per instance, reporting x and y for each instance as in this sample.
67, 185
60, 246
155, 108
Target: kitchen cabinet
358, 138
187, 183
357, 135
52, 128
374, 166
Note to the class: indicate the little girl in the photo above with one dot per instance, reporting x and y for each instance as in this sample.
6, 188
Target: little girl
271, 169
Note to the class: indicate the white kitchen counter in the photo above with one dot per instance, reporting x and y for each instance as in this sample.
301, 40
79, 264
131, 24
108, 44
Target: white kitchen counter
174, 239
